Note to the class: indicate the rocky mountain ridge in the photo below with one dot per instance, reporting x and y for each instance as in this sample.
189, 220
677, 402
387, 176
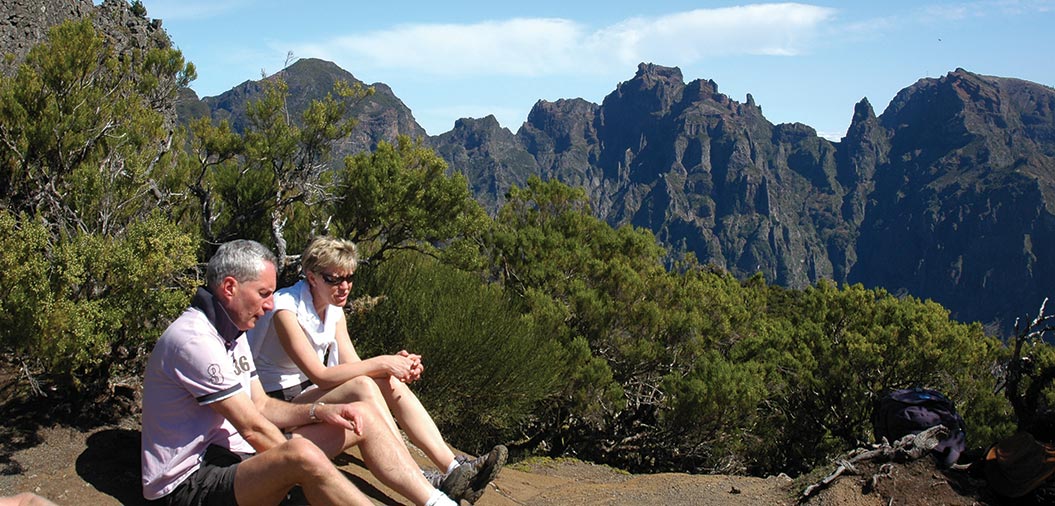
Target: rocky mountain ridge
945, 195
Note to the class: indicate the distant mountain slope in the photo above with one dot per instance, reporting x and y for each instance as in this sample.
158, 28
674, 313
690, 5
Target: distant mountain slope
948, 194
705, 173
962, 210
382, 116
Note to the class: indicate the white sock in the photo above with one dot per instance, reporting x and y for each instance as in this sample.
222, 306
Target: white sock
437, 498
452, 466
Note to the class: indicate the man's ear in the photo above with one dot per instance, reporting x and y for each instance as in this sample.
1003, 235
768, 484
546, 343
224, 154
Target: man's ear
228, 286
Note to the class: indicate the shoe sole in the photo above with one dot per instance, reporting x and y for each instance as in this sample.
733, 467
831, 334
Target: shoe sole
488, 472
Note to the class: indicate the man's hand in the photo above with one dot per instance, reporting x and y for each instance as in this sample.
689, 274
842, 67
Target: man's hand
343, 415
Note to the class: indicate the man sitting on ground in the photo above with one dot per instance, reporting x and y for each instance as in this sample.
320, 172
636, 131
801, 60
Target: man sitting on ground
212, 436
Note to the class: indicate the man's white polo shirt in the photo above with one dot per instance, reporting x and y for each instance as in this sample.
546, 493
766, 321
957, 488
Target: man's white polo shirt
191, 366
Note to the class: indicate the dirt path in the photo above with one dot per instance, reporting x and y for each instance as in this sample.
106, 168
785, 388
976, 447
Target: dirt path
102, 468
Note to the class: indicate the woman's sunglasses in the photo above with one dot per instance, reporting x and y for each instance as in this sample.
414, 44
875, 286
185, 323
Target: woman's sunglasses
331, 279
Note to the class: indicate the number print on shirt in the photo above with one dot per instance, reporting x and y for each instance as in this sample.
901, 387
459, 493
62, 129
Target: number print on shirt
241, 364
215, 374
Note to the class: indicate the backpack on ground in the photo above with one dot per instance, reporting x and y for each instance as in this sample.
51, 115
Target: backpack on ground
913, 410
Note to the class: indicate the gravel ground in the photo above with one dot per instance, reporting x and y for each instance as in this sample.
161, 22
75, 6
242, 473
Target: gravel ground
101, 467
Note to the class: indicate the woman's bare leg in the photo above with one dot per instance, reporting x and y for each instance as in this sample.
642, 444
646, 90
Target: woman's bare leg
416, 421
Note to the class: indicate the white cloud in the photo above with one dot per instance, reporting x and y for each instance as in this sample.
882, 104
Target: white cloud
530, 47
514, 47
763, 29
985, 8
832, 136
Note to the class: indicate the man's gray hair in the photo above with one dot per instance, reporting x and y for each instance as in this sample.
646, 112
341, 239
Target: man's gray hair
241, 259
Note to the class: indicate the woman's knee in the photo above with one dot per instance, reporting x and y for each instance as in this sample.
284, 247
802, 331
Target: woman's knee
359, 388
363, 383
392, 388
364, 386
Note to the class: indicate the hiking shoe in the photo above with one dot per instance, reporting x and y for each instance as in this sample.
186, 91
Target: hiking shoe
458, 483
487, 468
435, 478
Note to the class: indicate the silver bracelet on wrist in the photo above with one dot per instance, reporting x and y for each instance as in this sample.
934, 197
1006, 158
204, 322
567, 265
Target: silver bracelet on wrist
311, 411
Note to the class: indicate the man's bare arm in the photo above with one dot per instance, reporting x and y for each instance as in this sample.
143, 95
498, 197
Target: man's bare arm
257, 430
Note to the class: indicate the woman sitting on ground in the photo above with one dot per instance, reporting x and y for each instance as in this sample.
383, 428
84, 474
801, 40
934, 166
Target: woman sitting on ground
304, 354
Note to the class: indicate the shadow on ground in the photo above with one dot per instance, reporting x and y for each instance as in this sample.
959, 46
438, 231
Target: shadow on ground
110, 463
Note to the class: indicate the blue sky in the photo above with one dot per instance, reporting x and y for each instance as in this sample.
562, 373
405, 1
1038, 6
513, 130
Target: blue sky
802, 62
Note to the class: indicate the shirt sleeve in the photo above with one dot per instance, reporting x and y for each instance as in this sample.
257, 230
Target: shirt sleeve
284, 299
207, 371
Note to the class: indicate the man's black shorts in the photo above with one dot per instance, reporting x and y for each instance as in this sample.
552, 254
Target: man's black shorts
212, 484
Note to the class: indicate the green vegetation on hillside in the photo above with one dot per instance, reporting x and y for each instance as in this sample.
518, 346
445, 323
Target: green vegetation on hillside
542, 327
91, 262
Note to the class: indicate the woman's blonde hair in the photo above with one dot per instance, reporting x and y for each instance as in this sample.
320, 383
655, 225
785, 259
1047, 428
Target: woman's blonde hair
326, 252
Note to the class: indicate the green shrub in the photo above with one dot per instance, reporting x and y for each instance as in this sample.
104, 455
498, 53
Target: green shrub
486, 367
831, 352
88, 307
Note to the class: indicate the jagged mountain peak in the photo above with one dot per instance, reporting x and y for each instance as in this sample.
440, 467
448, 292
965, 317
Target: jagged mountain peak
317, 64
474, 133
654, 87
971, 114
863, 123
561, 106
863, 111
486, 123
381, 116
652, 73
966, 90
562, 117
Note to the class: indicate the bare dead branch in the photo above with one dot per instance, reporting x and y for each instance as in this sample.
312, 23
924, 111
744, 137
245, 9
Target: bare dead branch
910, 447
34, 385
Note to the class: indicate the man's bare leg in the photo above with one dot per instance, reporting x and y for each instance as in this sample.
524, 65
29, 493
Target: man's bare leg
392, 397
267, 477
358, 389
385, 455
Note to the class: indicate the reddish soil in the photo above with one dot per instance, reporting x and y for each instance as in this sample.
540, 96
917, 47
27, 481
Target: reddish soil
99, 465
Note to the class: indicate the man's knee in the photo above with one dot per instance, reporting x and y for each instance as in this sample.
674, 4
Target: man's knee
305, 456
25, 499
